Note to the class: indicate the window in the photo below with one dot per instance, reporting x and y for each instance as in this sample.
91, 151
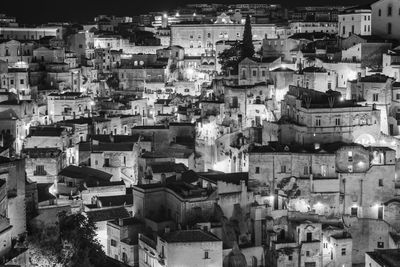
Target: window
380, 182
40, 170
257, 169
381, 244
375, 97
354, 211
350, 156
124, 257
306, 170
254, 73
318, 122
113, 243
343, 251
324, 169
290, 258
263, 73
379, 12
352, 28
106, 162
208, 35
397, 96
283, 169
344, 30
337, 121
21, 81
308, 253
389, 11
389, 28
309, 237
206, 255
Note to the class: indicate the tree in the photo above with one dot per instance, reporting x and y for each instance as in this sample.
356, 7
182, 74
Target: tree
76, 244
229, 59
82, 248
247, 44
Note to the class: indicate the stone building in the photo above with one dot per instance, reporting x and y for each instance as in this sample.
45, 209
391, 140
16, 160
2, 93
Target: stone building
68, 105
315, 78
43, 164
249, 105
354, 21
385, 19
309, 116
375, 90
13, 201
119, 159
197, 38
254, 71
182, 247
13, 51
123, 240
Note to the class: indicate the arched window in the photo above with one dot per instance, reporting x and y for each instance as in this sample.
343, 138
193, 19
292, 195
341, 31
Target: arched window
379, 12
389, 11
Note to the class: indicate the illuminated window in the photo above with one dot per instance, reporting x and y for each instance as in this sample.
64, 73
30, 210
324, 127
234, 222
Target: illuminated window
324, 170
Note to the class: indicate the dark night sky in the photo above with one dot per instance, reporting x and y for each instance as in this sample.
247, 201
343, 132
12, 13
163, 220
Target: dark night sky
40, 11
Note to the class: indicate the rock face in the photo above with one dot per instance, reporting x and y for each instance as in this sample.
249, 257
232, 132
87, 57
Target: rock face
235, 258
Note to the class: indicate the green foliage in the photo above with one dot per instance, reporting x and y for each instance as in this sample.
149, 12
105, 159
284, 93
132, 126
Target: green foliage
247, 44
83, 248
75, 246
113, 82
230, 58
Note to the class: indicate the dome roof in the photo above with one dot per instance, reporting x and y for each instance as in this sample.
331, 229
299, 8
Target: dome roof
235, 258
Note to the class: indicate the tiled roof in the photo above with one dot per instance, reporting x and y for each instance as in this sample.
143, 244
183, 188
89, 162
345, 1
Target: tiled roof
113, 147
120, 200
47, 131
85, 173
165, 167
386, 257
187, 236
108, 214
376, 78
232, 178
